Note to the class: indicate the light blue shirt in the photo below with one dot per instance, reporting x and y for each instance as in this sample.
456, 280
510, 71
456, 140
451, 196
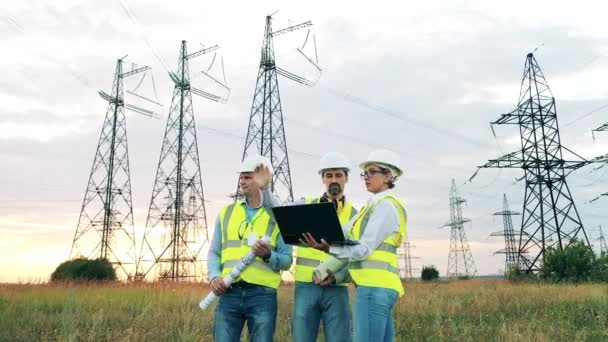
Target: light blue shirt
280, 256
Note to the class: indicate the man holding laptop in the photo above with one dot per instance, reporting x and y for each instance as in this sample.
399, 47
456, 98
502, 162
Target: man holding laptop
319, 299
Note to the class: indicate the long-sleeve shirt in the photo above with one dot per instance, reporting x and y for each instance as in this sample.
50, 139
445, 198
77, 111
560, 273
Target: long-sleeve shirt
383, 222
280, 255
269, 201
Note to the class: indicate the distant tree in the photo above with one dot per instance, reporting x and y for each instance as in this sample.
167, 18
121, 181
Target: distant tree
429, 273
84, 269
518, 274
574, 263
600, 269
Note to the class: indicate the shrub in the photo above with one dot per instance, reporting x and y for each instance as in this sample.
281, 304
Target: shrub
429, 273
575, 262
84, 269
600, 269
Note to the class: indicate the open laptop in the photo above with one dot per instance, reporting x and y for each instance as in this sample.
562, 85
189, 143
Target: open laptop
318, 219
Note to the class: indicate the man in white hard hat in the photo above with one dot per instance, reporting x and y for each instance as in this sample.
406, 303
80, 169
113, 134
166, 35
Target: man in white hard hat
380, 228
320, 299
252, 298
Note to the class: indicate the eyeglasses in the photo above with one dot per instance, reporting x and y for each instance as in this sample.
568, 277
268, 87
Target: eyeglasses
369, 173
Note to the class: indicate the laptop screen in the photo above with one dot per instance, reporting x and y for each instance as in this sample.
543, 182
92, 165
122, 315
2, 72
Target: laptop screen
319, 219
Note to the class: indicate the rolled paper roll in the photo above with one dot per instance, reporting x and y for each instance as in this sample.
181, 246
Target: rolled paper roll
332, 264
235, 272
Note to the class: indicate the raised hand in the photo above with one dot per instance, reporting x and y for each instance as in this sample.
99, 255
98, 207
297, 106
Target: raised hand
262, 176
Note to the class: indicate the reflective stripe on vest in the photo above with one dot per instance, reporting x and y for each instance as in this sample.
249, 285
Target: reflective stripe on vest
387, 248
256, 264
374, 264
309, 258
234, 246
381, 268
307, 262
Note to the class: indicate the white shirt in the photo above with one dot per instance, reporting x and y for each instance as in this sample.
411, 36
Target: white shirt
383, 222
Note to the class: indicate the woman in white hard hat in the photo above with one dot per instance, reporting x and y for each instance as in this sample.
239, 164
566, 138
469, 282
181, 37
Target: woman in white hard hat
380, 228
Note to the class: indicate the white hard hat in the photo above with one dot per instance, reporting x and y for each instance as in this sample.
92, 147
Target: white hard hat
251, 162
386, 158
334, 160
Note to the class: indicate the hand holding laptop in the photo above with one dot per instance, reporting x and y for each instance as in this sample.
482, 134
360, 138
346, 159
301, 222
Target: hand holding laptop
309, 241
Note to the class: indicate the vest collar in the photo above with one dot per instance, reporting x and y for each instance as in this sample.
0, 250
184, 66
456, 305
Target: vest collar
245, 203
378, 196
325, 198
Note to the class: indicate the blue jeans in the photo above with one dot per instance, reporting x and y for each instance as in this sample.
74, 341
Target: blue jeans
373, 314
312, 303
256, 305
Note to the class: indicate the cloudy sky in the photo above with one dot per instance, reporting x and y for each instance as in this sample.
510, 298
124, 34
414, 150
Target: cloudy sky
428, 79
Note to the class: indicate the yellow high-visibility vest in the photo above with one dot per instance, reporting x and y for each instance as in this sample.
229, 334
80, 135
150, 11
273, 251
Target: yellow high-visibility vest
381, 268
309, 258
235, 231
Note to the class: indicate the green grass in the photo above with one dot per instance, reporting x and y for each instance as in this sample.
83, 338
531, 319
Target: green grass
462, 310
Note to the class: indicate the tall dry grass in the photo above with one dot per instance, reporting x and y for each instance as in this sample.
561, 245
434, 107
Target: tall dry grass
472, 310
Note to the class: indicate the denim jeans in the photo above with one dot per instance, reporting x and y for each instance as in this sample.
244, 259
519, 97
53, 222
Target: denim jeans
373, 314
256, 305
313, 303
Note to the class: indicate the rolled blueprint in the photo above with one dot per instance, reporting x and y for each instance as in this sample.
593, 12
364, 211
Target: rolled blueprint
332, 264
235, 272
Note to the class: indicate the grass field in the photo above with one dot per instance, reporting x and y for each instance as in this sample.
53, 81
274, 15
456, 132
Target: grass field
472, 310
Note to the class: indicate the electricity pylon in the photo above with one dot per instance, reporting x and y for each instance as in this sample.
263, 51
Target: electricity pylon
266, 130
510, 250
550, 217
105, 227
176, 227
460, 259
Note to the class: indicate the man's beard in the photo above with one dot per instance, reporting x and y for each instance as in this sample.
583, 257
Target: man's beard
334, 189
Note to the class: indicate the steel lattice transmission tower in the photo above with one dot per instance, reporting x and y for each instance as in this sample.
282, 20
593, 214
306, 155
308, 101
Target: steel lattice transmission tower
604, 158
602, 128
510, 250
105, 226
405, 260
602, 240
266, 130
460, 259
550, 217
176, 227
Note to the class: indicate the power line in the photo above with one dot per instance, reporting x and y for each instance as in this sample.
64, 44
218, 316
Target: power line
341, 136
13, 23
589, 62
129, 13
582, 116
347, 97
403, 118
238, 136
75, 74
